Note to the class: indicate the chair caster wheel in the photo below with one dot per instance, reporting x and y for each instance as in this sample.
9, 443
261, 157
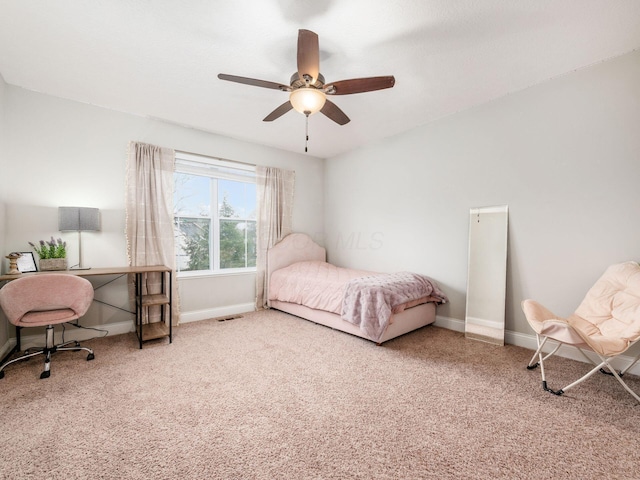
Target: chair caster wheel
45, 374
91, 356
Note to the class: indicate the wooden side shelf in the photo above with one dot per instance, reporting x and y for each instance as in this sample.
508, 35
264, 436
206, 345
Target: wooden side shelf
163, 328
157, 299
151, 331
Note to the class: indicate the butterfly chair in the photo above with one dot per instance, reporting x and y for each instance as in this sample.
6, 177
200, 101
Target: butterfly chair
45, 301
607, 323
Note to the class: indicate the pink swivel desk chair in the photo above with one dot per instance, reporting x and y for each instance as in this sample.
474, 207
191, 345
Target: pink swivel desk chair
45, 301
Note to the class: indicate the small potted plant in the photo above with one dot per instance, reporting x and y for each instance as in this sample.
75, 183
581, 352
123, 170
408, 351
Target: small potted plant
53, 254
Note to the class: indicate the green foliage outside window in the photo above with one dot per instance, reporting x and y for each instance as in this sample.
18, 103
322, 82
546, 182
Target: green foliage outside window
237, 240
197, 245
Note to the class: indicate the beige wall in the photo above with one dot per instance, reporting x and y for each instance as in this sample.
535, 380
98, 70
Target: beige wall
68, 153
563, 155
4, 328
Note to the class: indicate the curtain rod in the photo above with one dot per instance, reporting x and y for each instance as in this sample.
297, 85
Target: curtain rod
217, 158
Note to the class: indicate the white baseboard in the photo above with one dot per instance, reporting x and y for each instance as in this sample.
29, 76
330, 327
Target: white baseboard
529, 342
185, 317
483, 322
7, 347
73, 333
523, 340
449, 323
82, 334
197, 315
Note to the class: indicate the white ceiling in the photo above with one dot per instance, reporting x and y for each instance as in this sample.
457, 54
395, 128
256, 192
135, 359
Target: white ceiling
160, 58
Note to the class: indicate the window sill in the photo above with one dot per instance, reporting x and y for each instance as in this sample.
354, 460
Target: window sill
220, 273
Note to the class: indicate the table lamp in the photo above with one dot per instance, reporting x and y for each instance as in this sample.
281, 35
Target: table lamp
80, 219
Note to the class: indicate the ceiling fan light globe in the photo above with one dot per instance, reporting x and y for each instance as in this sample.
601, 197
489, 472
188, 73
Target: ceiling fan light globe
307, 100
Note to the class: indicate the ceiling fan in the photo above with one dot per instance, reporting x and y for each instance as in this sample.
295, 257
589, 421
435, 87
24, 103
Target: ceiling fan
307, 88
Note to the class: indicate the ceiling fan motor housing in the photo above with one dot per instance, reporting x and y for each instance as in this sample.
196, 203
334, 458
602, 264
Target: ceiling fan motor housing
297, 82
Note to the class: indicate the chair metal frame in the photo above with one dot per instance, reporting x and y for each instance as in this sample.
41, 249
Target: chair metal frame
598, 367
47, 350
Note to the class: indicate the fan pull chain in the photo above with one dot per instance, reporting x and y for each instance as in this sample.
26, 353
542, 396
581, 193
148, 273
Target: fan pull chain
306, 133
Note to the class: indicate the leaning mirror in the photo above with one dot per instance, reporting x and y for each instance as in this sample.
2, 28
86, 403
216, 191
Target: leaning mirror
487, 275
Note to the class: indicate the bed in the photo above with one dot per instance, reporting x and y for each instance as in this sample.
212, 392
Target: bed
371, 305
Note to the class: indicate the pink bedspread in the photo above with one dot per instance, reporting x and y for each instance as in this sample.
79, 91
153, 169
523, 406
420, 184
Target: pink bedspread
317, 285
369, 301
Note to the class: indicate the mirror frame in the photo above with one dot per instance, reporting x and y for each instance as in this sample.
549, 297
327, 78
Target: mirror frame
487, 274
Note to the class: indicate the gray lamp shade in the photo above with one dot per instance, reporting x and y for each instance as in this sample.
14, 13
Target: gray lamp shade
78, 219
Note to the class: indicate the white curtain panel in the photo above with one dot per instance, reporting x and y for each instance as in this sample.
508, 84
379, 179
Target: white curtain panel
274, 189
149, 217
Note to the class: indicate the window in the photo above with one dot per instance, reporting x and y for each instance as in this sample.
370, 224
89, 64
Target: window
214, 215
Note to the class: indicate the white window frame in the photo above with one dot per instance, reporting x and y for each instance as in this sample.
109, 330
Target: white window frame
214, 168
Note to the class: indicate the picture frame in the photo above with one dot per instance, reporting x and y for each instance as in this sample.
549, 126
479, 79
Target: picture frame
27, 262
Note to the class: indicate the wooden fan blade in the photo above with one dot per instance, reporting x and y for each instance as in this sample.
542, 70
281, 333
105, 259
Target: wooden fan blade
332, 111
253, 81
278, 112
360, 85
308, 55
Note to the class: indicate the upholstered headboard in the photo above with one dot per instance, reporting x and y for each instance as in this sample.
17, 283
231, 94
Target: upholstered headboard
295, 247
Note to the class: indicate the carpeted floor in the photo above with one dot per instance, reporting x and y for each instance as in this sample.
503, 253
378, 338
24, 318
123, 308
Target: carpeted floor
271, 396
